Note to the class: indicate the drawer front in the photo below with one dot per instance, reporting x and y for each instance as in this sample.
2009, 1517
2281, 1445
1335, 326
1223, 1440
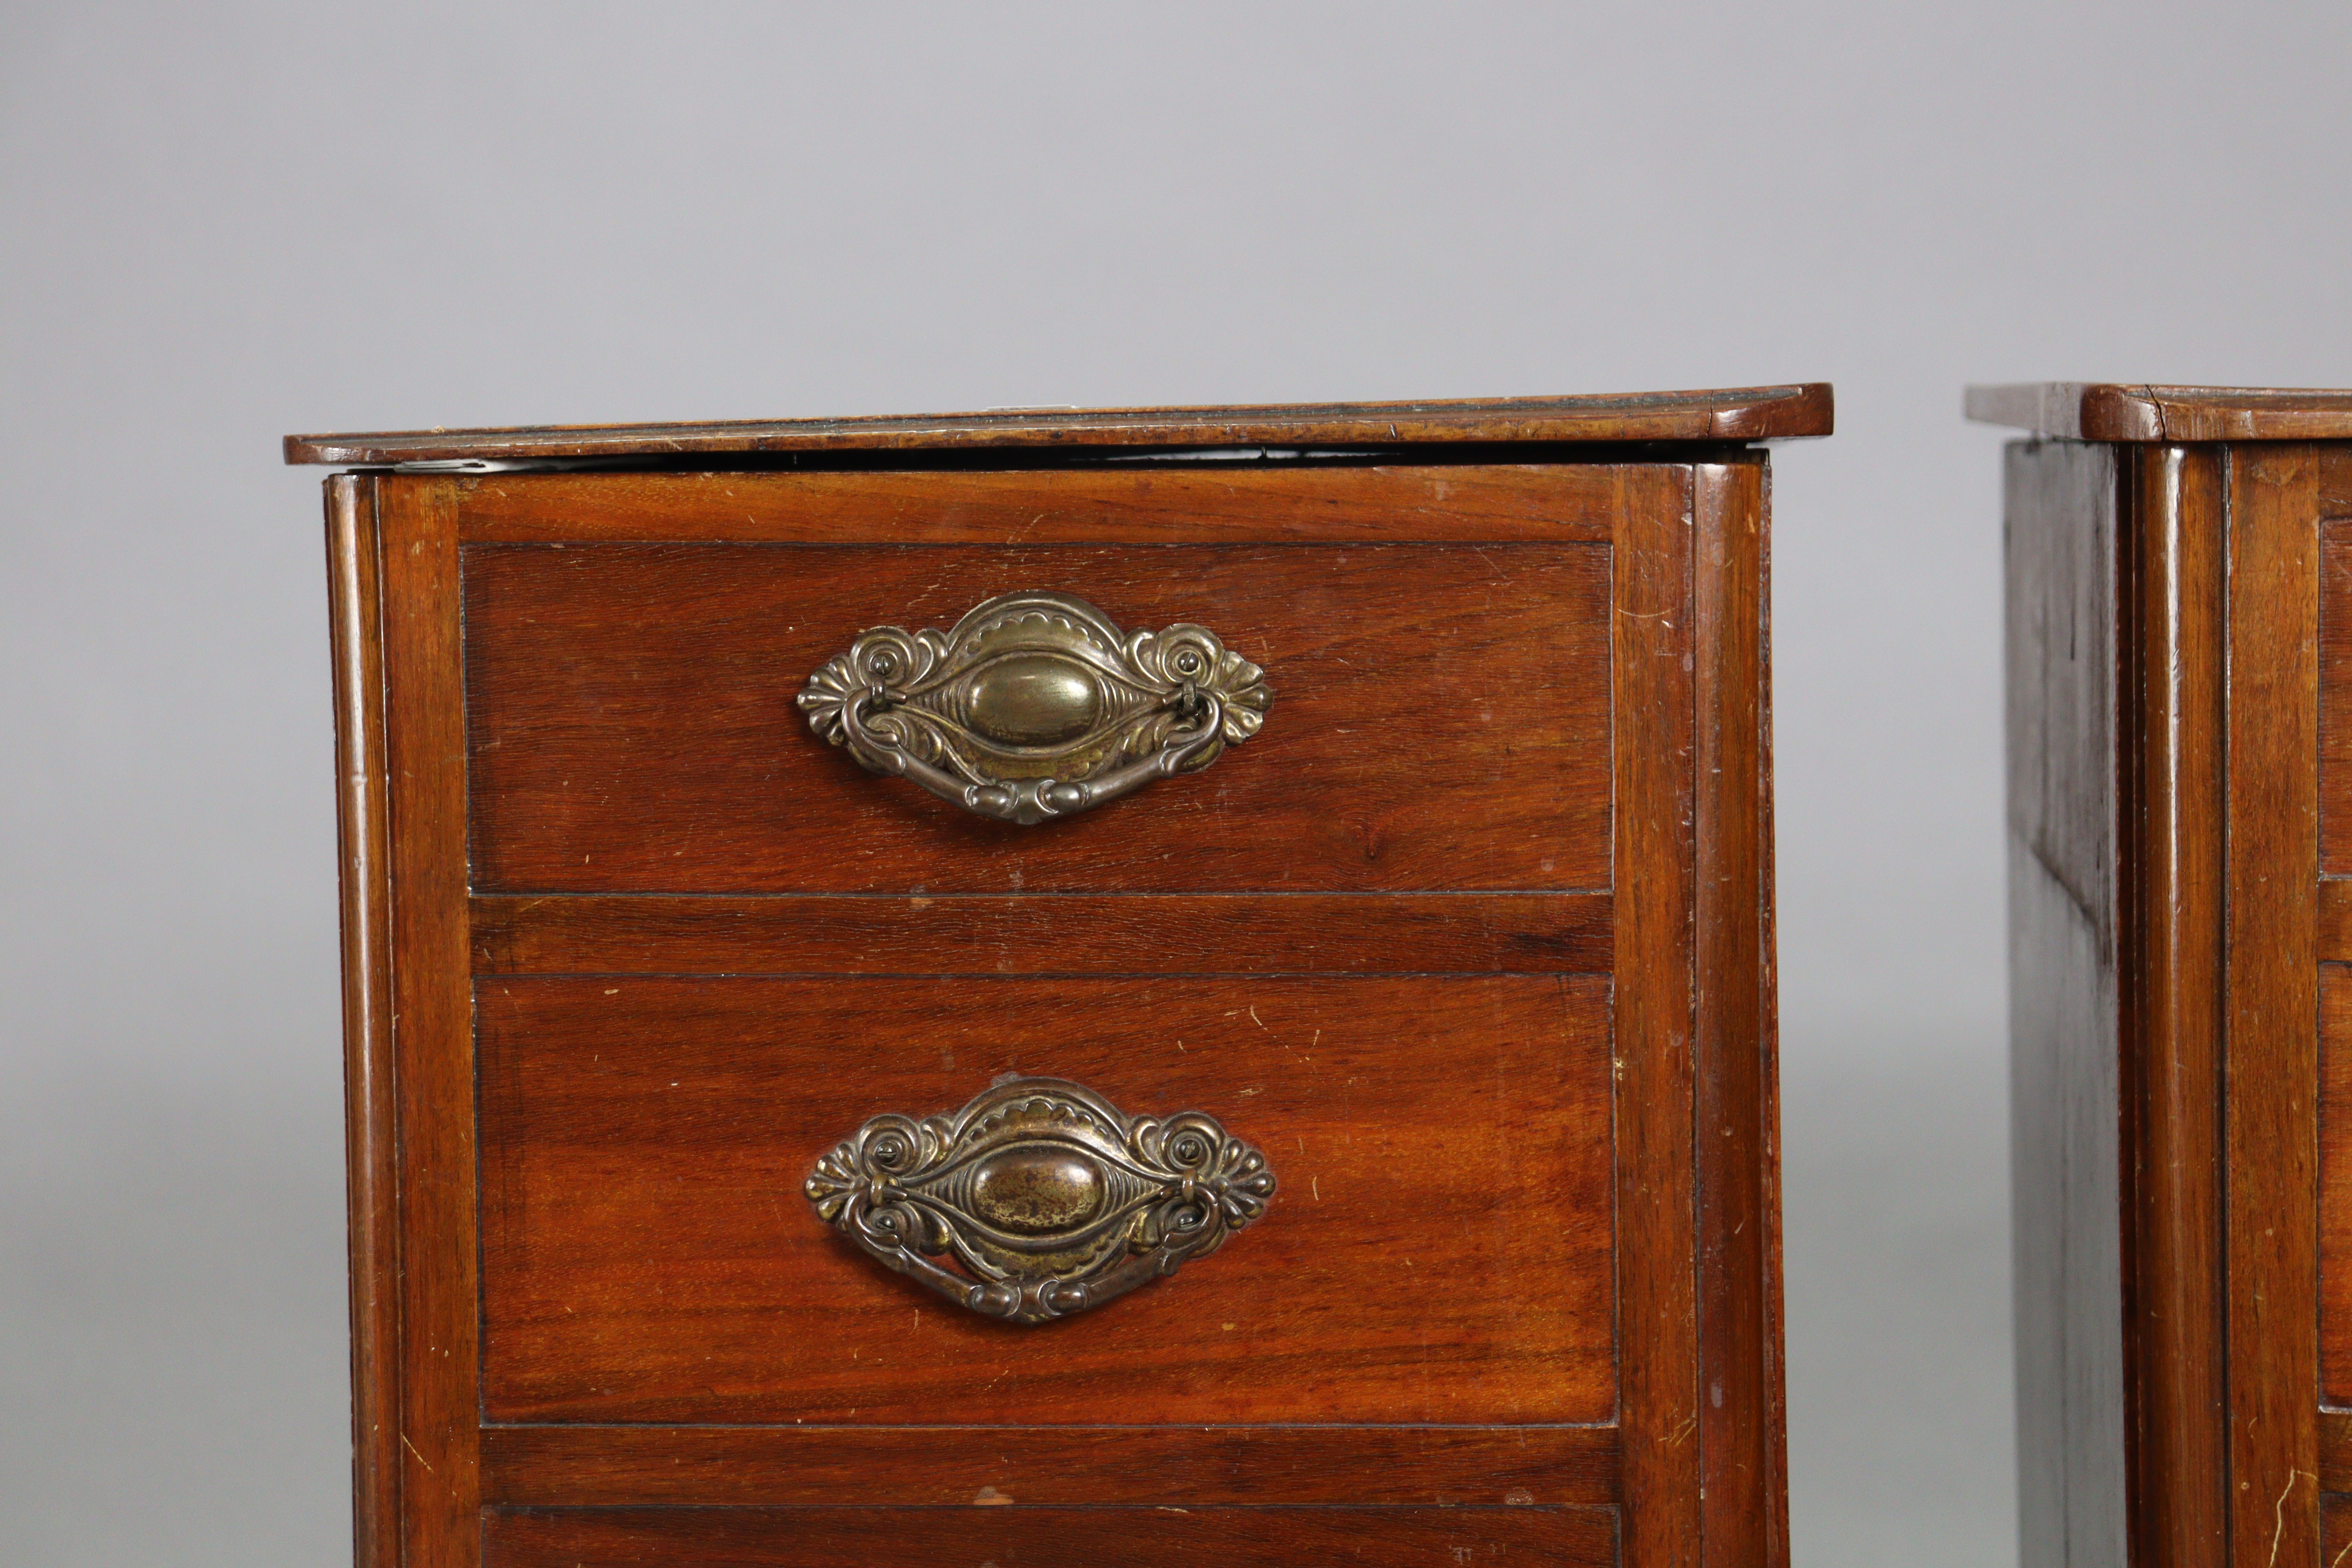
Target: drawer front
1440, 720
1468, 939
1440, 1249
1052, 1538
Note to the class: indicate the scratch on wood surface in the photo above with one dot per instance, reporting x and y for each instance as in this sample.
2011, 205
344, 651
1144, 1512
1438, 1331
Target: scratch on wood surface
2278, 1513
420, 1458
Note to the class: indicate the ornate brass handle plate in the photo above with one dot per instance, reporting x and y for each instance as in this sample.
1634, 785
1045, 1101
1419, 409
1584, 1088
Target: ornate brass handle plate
1051, 1198
1035, 705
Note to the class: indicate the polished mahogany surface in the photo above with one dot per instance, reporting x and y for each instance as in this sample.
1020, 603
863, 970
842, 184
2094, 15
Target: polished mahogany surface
1442, 1251
597, 670
1473, 939
2103, 411
1739, 413
2179, 698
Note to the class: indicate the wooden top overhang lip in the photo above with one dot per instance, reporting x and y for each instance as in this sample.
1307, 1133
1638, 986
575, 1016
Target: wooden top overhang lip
2106, 411
1738, 414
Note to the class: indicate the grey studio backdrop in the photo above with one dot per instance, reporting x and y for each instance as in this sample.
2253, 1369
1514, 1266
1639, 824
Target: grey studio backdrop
220, 224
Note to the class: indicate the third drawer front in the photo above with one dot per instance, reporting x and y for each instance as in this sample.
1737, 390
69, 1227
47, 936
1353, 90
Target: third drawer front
1026, 1537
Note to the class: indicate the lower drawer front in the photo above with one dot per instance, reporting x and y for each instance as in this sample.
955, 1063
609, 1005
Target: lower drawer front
1440, 1248
1017, 1537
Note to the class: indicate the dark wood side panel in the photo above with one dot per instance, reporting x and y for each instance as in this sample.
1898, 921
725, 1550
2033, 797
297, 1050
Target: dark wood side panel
1165, 1467
364, 829
2271, 1126
2336, 1186
2335, 1528
1440, 720
1656, 1110
1149, 505
2174, 792
1440, 1249
2064, 1102
431, 1025
1023, 1537
1742, 1488
1170, 933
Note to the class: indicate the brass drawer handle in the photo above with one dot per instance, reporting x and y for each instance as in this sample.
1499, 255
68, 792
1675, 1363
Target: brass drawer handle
1035, 705
1051, 1198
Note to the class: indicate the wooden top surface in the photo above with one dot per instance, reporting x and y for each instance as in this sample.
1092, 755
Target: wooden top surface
1739, 413
2101, 411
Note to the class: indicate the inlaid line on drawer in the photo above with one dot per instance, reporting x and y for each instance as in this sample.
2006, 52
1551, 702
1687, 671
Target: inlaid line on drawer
1484, 934
621, 1466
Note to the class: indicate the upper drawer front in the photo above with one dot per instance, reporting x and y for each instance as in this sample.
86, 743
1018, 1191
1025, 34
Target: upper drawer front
1440, 720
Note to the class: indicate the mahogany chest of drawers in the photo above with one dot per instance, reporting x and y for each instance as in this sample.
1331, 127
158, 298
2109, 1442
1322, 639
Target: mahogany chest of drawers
1143, 987
2179, 647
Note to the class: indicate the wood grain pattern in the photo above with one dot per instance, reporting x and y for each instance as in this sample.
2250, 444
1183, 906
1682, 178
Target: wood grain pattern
1743, 1491
1499, 503
2168, 931
363, 831
2336, 1452
1484, 1025
2336, 698
1023, 1537
2335, 934
1775, 1523
1440, 720
2173, 801
2098, 411
2336, 481
1656, 1280
2066, 1152
2336, 1187
1738, 414
1440, 1249
2273, 1246
1167, 933
938, 1467
432, 1027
